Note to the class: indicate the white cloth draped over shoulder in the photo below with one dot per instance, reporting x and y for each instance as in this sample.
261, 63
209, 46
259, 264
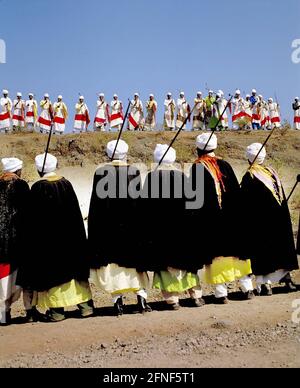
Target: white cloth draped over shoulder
116, 114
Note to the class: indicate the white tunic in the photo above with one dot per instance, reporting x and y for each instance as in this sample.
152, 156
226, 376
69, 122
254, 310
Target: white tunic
218, 110
264, 115
136, 115
274, 115
116, 116
19, 113
182, 112
102, 115
44, 121
81, 117
150, 122
60, 117
5, 113
198, 119
31, 111
169, 116
297, 117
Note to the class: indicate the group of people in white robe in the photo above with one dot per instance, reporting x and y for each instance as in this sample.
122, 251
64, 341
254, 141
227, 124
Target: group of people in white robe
253, 111
118, 279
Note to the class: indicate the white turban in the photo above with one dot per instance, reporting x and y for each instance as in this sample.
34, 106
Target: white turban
169, 94
159, 152
60, 97
238, 92
151, 95
121, 151
203, 139
46, 95
199, 93
248, 95
297, 98
253, 150
210, 91
12, 164
115, 95
136, 95
81, 98
254, 91
30, 94
19, 94
270, 99
182, 93
101, 95
4, 91
50, 165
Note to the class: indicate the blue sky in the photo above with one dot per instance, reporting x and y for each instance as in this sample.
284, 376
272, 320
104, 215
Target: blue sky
124, 46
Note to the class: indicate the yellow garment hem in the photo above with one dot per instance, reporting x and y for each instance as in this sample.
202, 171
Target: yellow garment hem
226, 270
165, 281
66, 295
125, 291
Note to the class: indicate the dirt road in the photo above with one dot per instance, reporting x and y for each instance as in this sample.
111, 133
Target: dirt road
258, 333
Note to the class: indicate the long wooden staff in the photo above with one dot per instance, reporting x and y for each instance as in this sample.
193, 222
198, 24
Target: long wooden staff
294, 188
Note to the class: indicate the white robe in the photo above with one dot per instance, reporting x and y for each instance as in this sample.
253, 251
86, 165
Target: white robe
182, 112
274, 115
297, 117
169, 116
80, 124
238, 111
18, 116
199, 117
5, 114
136, 115
9, 292
31, 111
264, 115
44, 121
116, 114
102, 116
218, 109
60, 112
150, 122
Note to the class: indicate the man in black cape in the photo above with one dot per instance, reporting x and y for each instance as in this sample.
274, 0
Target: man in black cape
165, 213
217, 224
114, 227
268, 227
14, 203
57, 265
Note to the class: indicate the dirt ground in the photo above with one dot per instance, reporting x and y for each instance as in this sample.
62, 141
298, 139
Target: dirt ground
257, 333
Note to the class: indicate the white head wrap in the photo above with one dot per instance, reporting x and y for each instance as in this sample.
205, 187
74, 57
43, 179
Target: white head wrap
101, 95
160, 151
19, 94
151, 95
254, 91
199, 93
50, 165
169, 94
121, 151
46, 95
115, 95
210, 91
270, 99
4, 91
81, 98
30, 94
238, 92
297, 98
12, 164
203, 139
253, 150
60, 97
